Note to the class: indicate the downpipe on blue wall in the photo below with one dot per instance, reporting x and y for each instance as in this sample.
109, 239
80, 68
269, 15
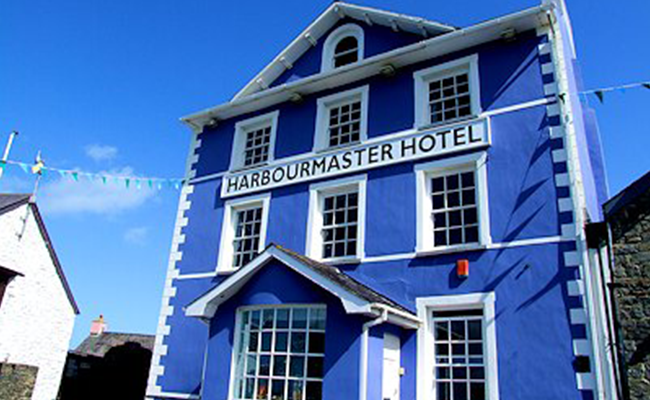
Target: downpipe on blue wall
363, 365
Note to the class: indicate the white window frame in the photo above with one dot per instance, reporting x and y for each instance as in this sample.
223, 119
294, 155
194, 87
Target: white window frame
424, 223
426, 388
422, 78
238, 326
228, 226
324, 104
343, 31
237, 157
317, 192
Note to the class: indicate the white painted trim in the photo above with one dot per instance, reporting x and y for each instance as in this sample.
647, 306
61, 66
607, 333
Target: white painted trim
424, 172
314, 243
518, 107
407, 256
175, 255
321, 135
224, 261
422, 77
363, 354
239, 141
303, 156
206, 305
425, 50
172, 395
391, 344
425, 353
325, 21
333, 39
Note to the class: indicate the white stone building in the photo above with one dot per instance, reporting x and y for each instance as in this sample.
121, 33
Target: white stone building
37, 308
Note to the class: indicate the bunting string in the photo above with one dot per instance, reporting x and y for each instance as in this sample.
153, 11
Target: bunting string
600, 93
39, 168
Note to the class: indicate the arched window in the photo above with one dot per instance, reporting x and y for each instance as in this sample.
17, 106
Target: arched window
343, 46
346, 51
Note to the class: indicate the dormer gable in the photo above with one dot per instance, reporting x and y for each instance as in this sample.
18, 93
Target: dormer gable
342, 35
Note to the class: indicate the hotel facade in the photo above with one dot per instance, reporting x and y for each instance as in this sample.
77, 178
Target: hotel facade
393, 208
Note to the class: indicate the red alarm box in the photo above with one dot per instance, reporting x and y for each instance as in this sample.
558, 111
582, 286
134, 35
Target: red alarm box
462, 268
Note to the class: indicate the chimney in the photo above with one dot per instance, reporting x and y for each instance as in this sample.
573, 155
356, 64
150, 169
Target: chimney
98, 326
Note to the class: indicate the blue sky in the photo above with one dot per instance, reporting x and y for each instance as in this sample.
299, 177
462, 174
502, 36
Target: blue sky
100, 86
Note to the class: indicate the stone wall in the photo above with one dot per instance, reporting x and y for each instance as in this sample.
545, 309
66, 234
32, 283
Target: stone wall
631, 237
17, 381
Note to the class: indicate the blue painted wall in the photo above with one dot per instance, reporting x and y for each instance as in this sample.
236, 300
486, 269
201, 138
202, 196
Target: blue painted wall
378, 39
277, 284
528, 281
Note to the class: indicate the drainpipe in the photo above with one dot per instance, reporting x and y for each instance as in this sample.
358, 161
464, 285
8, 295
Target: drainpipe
363, 365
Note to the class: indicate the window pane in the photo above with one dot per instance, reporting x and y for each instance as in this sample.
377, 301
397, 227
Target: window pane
265, 365
317, 318
262, 388
266, 341
314, 390
252, 344
297, 366
299, 318
279, 365
316, 342
250, 387
295, 390
282, 318
281, 341
298, 342
277, 389
443, 391
267, 319
315, 367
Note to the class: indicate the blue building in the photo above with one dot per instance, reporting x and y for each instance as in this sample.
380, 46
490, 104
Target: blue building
394, 208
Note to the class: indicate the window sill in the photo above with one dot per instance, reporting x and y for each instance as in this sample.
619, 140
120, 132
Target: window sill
342, 261
249, 167
448, 124
450, 250
334, 149
226, 272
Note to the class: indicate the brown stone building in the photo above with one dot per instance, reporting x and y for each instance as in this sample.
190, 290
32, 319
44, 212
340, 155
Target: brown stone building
628, 219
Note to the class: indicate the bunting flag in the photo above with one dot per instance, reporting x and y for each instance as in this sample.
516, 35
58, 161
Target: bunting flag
600, 93
39, 168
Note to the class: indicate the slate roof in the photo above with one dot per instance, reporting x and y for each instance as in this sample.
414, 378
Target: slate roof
341, 278
9, 202
628, 195
99, 345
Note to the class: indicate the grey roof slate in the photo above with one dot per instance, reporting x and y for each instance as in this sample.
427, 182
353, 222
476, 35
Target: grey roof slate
10, 201
628, 195
99, 345
341, 278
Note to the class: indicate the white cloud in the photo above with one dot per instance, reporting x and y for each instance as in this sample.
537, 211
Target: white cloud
136, 235
100, 152
66, 196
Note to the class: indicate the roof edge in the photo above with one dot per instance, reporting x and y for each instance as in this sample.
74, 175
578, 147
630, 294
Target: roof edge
338, 11
362, 69
53, 255
206, 305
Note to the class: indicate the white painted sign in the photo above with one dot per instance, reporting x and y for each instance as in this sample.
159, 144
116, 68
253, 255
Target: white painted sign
379, 153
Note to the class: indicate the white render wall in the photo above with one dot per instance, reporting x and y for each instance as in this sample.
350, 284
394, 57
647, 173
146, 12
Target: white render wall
36, 317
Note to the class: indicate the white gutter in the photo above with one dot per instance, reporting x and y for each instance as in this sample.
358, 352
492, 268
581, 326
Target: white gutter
363, 365
407, 55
